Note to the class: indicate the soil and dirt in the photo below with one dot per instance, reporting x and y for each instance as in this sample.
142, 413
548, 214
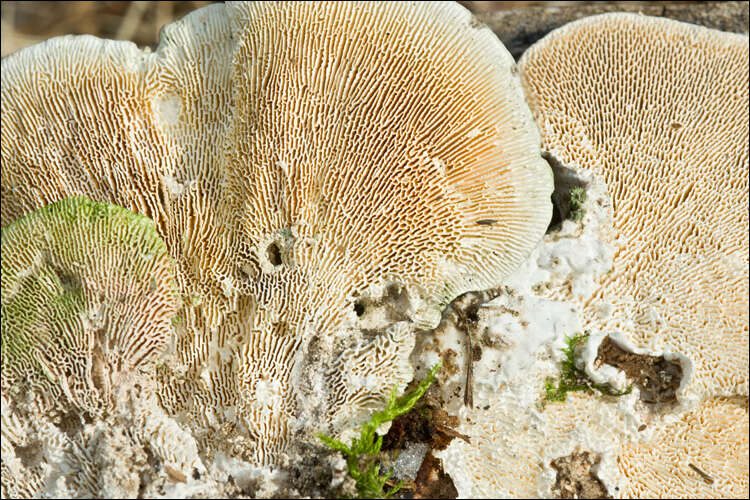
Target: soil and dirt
426, 423
576, 477
657, 378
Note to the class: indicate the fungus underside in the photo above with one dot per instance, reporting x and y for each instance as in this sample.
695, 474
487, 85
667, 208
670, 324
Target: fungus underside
361, 455
573, 379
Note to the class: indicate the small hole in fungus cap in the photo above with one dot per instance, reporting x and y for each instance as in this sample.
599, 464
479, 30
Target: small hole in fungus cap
274, 254
359, 309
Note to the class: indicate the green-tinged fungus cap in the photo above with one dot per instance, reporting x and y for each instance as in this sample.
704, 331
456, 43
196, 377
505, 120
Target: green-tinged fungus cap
88, 295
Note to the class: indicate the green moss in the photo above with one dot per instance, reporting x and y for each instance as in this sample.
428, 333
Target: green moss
577, 199
361, 455
574, 379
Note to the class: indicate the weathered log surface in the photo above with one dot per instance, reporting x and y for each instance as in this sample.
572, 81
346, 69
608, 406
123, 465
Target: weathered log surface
521, 27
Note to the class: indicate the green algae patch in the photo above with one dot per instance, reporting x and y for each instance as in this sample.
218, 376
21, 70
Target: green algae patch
577, 199
84, 284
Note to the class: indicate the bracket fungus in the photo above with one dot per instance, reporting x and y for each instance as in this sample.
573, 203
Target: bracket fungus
655, 112
659, 110
88, 296
703, 454
297, 159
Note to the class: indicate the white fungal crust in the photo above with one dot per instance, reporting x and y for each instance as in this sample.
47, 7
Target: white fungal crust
659, 110
134, 451
513, 444
295, 158
513, 436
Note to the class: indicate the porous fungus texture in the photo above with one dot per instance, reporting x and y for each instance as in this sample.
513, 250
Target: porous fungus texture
658, 110
88, 295
515, 439
88, 299
299, 160
704, 454
513, 344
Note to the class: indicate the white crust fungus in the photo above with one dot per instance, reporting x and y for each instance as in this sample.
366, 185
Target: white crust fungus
512, 437
295, 159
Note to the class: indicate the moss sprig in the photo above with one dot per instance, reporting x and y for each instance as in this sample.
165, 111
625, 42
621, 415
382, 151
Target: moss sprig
574, 379
361, 455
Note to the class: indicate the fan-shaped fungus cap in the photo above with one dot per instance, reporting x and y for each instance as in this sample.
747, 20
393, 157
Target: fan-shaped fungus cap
389, 143
295, 157
88, 295
102, 119
383, 142
659, 110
